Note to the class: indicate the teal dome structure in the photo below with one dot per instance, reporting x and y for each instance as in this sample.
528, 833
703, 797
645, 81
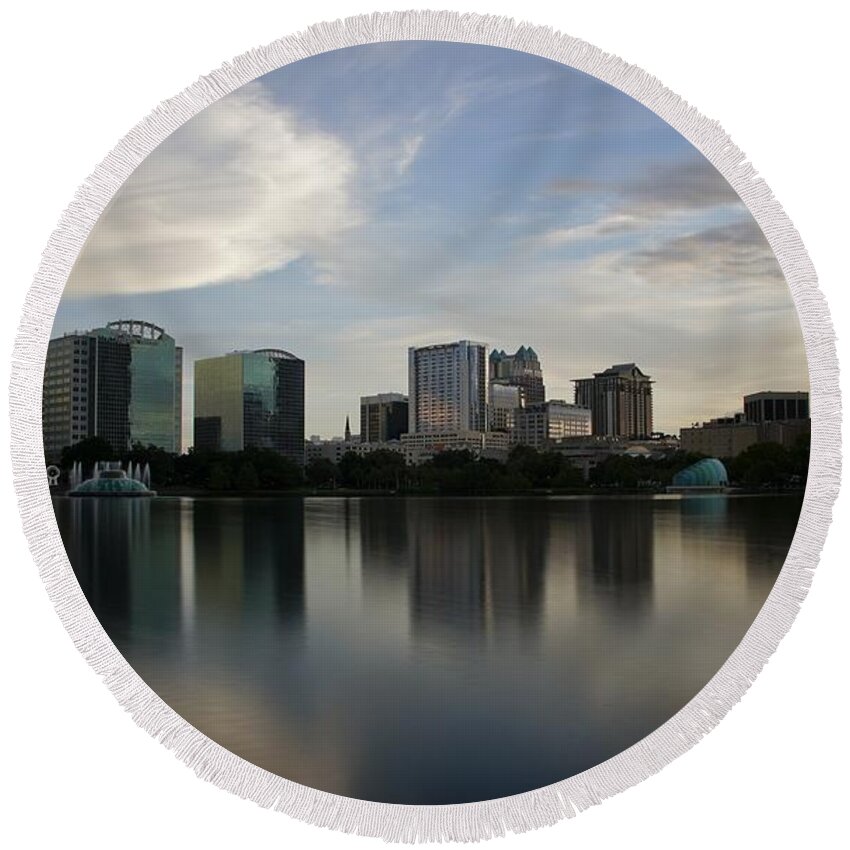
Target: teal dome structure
709, 472
112, 482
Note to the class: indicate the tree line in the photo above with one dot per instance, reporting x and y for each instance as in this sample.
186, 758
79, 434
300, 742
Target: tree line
764, 465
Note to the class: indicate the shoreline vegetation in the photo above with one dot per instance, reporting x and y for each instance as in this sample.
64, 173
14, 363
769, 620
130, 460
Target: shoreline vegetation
587, 492
764, 467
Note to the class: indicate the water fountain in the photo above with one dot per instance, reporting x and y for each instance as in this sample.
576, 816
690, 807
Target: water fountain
109, 479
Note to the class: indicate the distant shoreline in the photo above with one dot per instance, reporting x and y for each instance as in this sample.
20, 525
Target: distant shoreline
343, 493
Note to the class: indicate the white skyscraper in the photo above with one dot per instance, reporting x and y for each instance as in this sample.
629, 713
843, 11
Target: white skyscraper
447, 388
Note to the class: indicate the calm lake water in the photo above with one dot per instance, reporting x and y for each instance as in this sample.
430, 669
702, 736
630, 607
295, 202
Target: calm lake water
417, 650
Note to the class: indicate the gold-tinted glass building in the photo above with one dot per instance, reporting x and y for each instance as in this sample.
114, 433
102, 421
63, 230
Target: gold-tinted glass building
250, 398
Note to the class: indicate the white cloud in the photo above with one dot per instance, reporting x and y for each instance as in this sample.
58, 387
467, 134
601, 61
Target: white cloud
614, 224
242, 189
410, 147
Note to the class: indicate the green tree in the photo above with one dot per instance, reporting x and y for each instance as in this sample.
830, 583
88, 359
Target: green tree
568, 478
352, 471
275, 471
799, 455
763, 464
88, 452
246, 477
161, 462
618, 471
218, 476
322, 472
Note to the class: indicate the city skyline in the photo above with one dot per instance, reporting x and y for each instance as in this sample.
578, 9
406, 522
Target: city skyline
347, 229
121, 380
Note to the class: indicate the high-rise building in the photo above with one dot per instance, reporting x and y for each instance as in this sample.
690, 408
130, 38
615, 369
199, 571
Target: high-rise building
122, 382
540, 425
250, 398
521, 369
156, 383
447, 388
383, 417
505, 401
620, 400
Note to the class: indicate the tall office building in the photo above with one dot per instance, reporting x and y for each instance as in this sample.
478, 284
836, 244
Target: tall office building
620, 401
122, 382
250, 398
521, 369
383, 417
447, 388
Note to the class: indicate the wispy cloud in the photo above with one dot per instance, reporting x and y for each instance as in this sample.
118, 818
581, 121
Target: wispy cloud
614, 224
242, 189
724, 261
692, 183
658, 201
409, 149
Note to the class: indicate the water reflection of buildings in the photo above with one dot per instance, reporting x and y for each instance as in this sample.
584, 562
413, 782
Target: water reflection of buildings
127, 575
517, 543
154, 572
446, 557
620, 571
273, 550
477, 568
250, 558
568, 628
768, 531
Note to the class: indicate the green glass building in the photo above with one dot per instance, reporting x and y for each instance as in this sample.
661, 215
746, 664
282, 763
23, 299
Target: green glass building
250, 398
122, 382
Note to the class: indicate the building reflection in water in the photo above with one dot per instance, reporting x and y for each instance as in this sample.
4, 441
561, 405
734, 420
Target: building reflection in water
427, 650
621, 568
187, 567
273, 557
768, 530
477, 568
446, 557
129, 575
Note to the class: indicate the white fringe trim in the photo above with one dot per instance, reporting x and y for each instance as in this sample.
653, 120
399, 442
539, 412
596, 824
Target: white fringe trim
471, 821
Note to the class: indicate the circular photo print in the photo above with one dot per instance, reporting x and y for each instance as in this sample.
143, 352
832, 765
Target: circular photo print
426, 422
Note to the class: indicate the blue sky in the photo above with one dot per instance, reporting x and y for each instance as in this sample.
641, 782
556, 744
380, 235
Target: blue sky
357, 202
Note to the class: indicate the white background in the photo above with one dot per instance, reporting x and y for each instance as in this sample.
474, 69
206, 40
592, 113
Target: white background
77, 76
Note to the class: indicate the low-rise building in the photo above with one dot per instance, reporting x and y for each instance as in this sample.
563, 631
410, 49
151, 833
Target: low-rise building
335, 450
418, 448
768, 417
774, 406
540, 425
586, 453
719, 439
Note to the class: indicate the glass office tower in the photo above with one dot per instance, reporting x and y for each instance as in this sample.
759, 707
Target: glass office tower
155, 377
250, 398
122, 382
